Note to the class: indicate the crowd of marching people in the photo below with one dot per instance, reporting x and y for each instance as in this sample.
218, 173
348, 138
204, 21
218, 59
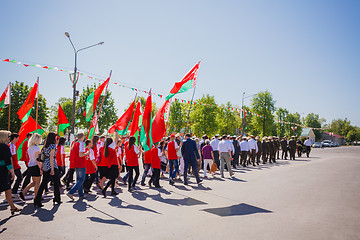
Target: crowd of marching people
106, 163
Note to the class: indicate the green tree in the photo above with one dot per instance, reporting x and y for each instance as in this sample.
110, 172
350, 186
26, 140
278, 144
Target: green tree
280, 116
292, 129
341, 127
19, 93
177, 117
264, 105
353, 134
203, 118
227, 120
313, 120
108, 113
66, 105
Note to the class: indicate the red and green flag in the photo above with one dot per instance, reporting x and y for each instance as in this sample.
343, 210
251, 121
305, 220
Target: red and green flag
6, 96
62, 122
145, 137
158, 128
93, 99
122, 124
94, 127
25, 110
29, 126
135, 122
188, 82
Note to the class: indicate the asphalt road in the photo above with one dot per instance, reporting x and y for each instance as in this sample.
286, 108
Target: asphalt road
310, 198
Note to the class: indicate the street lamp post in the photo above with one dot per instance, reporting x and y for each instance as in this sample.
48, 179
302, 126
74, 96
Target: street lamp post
242, 107
75, 81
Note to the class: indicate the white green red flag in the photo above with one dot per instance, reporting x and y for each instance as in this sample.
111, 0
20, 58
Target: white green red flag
62, 122
5, 97
29, 126
122, 124
188, 82
25, 110
94, 127
158, 128
145, 137
93, 99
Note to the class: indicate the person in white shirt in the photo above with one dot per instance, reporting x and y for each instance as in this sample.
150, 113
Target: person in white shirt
244, 146
253, 148
35, 167
307, 144
225, 156
215, 146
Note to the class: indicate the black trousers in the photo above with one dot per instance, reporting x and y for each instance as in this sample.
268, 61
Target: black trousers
277, 153
89, 179
61, 171
132, 181
27, 177
216, 158
264, 157
45, 180
308, 149
284, 154
258, 156
18, 181
292, 153
69, 178
193, 164
253, 155
155, 178
235, 162
244, 155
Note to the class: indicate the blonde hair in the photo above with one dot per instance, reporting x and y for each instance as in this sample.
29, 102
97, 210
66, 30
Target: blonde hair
34, 140
4, 136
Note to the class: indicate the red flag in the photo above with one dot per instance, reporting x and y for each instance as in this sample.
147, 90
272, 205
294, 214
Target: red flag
123, 122
27, 127
135, 121
158, 129
25, 110
62, 123
145, 137
93, 99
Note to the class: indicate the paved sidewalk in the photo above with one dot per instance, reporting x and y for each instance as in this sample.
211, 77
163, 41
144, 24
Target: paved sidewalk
310, 198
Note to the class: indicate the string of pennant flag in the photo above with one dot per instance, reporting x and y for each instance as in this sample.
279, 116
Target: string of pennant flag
242, 112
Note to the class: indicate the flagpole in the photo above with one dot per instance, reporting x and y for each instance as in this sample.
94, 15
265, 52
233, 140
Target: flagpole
189, 111
102, 102
37, 106
9, 116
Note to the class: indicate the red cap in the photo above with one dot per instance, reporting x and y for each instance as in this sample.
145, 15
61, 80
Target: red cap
172, 135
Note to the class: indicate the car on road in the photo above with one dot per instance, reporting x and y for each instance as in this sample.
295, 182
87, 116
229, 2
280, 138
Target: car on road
326, 143
317, 145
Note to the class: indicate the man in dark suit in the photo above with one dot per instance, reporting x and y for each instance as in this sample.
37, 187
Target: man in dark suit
235, 154
292, 148
284, 148
190, 154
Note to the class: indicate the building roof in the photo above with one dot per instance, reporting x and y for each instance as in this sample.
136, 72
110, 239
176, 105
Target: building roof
334, 135
305, 132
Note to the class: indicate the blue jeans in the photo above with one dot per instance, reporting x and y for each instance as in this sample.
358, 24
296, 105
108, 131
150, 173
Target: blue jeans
172, 172
146, 170
80, 178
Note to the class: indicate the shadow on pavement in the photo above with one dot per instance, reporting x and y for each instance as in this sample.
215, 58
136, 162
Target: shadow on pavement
237, 179
186, 201
116, 202
114, 220
45, 215
236, 210
109, 221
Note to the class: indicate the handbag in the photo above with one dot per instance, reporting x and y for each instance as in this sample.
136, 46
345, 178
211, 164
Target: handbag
41, 156
213, 168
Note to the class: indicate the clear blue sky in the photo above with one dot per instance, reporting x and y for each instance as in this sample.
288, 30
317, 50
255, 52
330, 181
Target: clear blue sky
306, 53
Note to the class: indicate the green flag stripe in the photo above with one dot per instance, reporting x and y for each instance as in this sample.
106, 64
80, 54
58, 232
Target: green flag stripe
186, 86
89, 106
26, 117
63, 126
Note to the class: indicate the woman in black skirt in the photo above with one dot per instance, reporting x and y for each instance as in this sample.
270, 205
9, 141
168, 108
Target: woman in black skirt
6, 170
